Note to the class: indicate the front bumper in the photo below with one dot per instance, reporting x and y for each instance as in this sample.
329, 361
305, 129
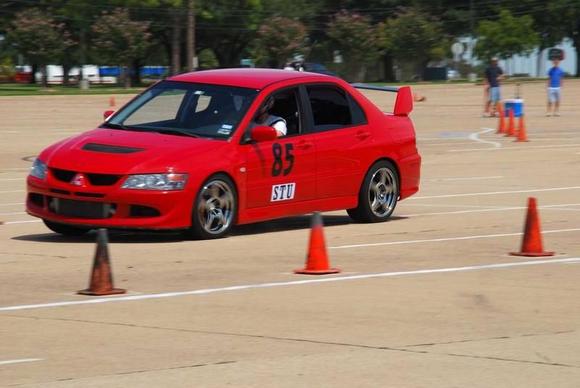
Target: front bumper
108, 206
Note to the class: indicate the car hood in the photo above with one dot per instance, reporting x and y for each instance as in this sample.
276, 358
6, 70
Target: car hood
115, 151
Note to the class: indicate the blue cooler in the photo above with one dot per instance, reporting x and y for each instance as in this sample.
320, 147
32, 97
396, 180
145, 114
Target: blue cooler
517, 104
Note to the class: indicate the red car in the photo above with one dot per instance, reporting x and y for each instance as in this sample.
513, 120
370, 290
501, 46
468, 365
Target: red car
188, 154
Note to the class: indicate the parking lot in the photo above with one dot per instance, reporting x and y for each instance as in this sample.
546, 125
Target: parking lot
431, 298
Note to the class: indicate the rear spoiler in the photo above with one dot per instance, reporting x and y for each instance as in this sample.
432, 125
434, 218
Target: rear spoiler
404, 101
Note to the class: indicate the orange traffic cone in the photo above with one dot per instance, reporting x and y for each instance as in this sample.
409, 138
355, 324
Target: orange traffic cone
511, 130
112, 101
532, 240
501, 124
101, 277
522, 135
317, 260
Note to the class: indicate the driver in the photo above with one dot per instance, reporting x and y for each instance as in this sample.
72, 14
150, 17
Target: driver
265, 118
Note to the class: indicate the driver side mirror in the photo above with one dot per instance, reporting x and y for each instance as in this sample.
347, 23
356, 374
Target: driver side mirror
263, 133
107, 114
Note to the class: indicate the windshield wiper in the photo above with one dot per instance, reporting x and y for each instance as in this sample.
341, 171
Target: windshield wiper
169, 131
124, 127
114, 126
174, 131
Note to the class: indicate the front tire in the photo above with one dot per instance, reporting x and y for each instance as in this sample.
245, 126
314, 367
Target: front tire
378, 194
215, 208
65, 230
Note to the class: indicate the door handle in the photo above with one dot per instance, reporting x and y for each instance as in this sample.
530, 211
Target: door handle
304, 145
361, 135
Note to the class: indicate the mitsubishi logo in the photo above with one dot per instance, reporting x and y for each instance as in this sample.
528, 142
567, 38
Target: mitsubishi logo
79, 180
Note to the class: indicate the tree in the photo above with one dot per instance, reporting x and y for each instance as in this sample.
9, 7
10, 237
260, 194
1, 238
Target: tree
77, 17
39, 37
356, 39
228, 27
121, 40
506, 37
566, 19
414, 39
279, 37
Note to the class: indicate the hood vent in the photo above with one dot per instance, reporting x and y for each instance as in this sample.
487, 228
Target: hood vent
111, 149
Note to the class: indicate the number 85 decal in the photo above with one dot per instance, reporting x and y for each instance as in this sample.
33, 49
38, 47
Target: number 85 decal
278, 165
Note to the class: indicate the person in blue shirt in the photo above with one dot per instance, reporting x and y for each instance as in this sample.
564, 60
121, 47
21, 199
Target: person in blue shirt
555, 76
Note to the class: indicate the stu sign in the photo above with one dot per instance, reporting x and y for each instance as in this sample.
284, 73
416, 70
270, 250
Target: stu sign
283, 192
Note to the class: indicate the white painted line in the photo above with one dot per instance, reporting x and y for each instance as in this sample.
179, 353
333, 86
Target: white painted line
15, 169
12, 214
482, 209
484, 206
474, 178
289, 283
21, 222
494, 193
11, 191
438, 138
527, 147
9, 362
12, 204
462, 211
446, 143
564, 209
454, 205
12, 179
431, 240
475, 137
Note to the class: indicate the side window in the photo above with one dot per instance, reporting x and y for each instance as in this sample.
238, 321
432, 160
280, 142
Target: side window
358, 115
330, 108
284, 105
202, 103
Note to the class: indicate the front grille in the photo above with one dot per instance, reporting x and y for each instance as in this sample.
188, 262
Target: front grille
94, 179
63, 175
103, 179
143, 211
81, 209
90, 195
37, 199
58, 191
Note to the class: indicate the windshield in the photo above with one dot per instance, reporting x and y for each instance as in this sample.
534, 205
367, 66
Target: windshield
185, 109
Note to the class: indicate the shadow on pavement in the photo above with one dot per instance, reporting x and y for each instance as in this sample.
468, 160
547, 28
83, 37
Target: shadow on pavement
148, 237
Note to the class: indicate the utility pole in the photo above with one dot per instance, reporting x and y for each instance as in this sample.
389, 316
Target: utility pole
190, 43
175, 43
472, 31
471, 18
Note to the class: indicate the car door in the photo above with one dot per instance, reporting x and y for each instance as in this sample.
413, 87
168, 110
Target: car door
282, 172
342, 139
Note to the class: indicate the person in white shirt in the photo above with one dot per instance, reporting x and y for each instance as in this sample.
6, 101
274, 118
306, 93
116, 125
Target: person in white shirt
265, 118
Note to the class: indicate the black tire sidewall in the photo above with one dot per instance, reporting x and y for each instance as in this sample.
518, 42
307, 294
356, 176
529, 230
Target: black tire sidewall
363, 211
197, 231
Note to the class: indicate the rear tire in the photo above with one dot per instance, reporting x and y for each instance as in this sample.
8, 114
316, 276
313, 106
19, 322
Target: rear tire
215, 209
65, 230
378, 194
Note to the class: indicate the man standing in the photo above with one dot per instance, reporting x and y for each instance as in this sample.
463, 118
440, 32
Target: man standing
493, 74
554, 83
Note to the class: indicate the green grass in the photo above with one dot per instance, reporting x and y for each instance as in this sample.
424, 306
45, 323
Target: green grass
479, 81
37, 90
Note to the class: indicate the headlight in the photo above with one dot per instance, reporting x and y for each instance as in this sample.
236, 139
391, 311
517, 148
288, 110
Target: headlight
163, 182
38, 169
